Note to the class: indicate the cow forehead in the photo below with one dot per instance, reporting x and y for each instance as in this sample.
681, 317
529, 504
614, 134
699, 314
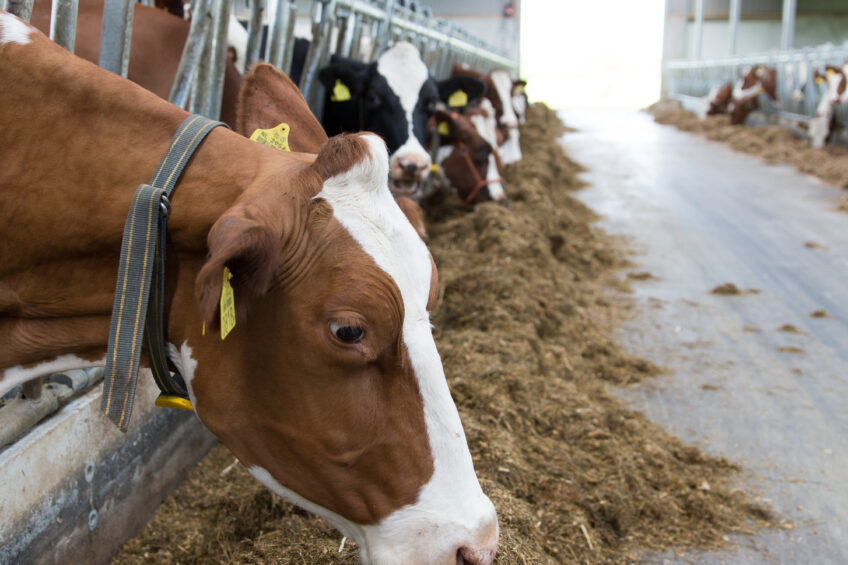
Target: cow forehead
503, 84
371, 216
404, 72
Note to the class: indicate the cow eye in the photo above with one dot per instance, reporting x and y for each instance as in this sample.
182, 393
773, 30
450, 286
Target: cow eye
347, 331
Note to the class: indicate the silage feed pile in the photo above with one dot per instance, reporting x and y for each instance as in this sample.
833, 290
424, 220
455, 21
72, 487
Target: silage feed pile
530, 295
773, 143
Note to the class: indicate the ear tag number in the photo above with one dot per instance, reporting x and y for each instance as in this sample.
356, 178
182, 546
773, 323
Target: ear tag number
458, 99
341, 93
228, 305
443, 128
277, 137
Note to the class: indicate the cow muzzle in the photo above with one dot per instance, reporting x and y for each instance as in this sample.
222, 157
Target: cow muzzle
407, 174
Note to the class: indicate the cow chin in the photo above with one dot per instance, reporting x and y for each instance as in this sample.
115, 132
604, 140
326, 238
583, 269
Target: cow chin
408, 173
436, 530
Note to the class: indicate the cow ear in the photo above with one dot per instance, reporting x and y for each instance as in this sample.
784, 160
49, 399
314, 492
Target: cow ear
251, 250
349, 75
446, 126
459, 92
268, 98
518, 85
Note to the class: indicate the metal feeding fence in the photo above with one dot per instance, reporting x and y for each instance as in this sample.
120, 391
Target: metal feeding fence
798, 95
361, 29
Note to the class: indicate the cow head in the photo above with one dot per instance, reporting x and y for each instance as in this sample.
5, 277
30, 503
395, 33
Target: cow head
330, 389
820, 128
468, 160
519, 100
393, 97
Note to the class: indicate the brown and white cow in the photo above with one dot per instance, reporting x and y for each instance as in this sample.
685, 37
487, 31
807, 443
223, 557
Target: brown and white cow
715, 103
756, 80
157, 44
469, 161
499, 87
329, 389
820, 127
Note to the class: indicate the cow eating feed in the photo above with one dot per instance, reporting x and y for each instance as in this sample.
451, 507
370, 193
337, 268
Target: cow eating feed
330, 389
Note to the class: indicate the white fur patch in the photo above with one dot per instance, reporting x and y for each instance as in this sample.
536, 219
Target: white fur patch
496, 189
185, 364
739, 93
237, 39
14, 30
405, 74
485, 125
511, 149
14, 376
451, 510
503, 85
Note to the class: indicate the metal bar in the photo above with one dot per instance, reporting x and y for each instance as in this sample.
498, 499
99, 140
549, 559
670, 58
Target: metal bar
787, 26
199, 92
20, 8
323, 19
63, 22
215, 83
386, 28
254, 32
192, 50
699, 28
288, 46
276, 35
735, 12
116, 35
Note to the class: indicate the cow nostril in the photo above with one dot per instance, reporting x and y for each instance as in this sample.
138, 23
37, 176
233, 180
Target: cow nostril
468, 556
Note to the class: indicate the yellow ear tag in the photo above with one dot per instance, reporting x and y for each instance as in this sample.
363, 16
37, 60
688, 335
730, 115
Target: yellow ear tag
341, 93
277, 137
819, 80
228, 305
458, 99
519, 88
443, 128
829, 72
175, 402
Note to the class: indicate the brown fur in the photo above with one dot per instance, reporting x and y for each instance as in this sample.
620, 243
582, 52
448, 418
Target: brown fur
340, 424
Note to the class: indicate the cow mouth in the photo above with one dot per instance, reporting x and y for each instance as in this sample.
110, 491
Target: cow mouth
404, 186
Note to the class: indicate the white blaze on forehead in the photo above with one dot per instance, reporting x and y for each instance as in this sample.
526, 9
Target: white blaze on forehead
451, 508
739, 93
485, 125
14, 30
496, 189
405, 74
17, 375
503, 86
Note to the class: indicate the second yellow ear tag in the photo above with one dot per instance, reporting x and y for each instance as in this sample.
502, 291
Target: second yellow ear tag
228, 305
443, 128
458, 99
341, 93
277, 137
519, 88
819, 80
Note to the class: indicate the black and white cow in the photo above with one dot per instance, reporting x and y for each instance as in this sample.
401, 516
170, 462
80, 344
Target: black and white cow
394, 97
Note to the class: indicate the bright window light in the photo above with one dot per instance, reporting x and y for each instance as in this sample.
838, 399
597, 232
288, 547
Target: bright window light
597, 54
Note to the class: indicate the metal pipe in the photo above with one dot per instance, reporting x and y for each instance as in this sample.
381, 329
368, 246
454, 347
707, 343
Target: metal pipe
699, 28
215, 84
735, 12
20, 8
254, 32
787, 26
192, 50
288, 45
323, 19
116, 35
277, 34
63, 22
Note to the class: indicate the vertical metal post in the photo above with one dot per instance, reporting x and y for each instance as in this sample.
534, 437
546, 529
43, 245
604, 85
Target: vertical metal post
353, 39
63, 22
254, 32
116, 35
192, 51
699, 28
20, 8
288, 45
386, 29
787, 27
323, 18
215, 80
277, 34
735, 12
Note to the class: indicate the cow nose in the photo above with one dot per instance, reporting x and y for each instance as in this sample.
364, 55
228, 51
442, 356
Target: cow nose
412, 167
474, 556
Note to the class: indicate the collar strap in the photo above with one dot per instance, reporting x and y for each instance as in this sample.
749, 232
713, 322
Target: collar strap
480, 181
137, 310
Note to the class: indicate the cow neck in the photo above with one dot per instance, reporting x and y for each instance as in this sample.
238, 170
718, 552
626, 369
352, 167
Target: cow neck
59, 251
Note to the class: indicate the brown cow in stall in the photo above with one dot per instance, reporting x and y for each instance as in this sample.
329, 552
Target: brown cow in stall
499, 87
330, 389
157, 46
756, 80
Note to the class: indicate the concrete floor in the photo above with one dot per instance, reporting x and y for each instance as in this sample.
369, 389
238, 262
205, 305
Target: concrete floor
700, 215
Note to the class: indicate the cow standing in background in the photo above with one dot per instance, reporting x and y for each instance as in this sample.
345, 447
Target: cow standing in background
745, 97
393, 97
821, 126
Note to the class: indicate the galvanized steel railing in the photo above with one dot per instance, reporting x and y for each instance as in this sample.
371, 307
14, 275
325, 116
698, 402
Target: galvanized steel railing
795, 70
